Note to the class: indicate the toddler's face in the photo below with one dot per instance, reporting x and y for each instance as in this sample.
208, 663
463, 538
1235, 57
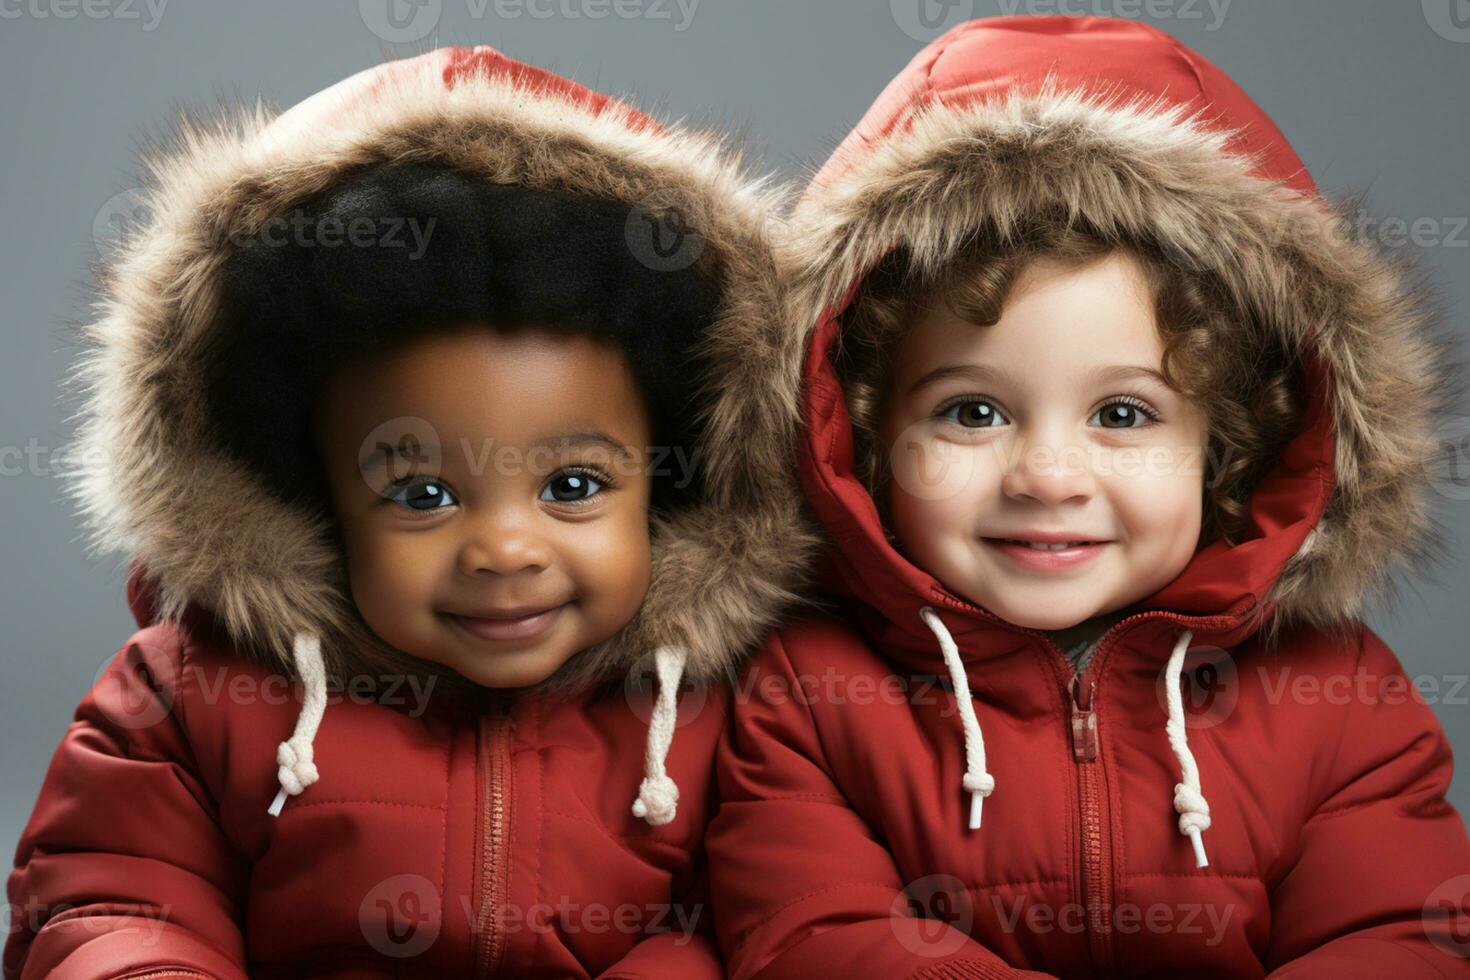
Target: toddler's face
1040, 467
492, 492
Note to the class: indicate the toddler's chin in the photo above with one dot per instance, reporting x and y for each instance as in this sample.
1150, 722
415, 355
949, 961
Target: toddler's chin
1038, 609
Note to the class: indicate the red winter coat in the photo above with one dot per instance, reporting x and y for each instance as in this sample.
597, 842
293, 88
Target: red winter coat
842, 845
442, 836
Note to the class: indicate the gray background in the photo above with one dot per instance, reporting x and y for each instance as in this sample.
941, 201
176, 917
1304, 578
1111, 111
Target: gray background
1371, 93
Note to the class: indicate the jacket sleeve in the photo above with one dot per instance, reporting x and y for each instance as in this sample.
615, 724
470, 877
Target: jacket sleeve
1381, 884
677, 952
123, 868
801, 886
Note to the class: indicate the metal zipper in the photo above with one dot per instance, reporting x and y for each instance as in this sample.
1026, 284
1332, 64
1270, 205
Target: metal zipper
1097, 859
1095, 887
1096, 867
494, 880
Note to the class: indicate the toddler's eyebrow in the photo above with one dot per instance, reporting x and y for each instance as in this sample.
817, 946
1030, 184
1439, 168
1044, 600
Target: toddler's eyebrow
1124, 372
979, 372
422, 452
984, 373
572, 440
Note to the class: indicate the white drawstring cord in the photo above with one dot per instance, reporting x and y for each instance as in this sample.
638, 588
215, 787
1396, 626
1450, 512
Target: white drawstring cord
979, 782
658, 795
293, 756
1194, 811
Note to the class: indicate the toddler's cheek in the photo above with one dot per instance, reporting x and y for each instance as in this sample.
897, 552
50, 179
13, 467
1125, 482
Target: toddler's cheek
612, 573
1161, 515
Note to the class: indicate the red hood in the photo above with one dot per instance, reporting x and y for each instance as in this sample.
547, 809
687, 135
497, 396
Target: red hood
1102, 102
268, 570
216, 545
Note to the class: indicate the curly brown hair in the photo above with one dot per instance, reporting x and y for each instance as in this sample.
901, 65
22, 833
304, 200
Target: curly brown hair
1215, 353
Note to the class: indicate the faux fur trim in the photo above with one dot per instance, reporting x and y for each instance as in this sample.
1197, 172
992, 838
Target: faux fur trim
150, 483
1147, 169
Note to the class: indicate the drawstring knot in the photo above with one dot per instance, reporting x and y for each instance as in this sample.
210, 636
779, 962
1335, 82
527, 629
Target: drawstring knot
1193, 809
658, 795
1189, 801
977, 781
297, 769
658, 799
294, 756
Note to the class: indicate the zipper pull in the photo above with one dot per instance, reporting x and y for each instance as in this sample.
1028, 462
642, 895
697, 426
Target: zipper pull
1084, 723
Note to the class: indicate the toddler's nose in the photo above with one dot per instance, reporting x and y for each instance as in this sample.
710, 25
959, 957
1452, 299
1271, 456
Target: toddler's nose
1052, 473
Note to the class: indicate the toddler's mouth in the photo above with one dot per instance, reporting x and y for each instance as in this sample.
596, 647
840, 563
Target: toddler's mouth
516, 624
1045, 545
1048, 552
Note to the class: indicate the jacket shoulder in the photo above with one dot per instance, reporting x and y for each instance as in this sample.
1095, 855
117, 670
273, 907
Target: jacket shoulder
820, 636
819, 641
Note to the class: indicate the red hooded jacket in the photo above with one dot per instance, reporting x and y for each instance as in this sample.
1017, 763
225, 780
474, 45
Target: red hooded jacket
842, 845
420, 834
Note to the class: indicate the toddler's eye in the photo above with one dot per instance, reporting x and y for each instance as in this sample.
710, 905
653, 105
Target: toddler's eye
570, 488
423, 495
974, 414
1122, 414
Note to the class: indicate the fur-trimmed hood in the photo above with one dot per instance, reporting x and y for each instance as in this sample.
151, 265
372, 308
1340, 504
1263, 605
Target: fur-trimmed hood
152, 481
1118, 125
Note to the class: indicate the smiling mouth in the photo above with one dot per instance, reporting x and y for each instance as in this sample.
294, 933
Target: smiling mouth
518, 627
1045, 545
1046, 556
